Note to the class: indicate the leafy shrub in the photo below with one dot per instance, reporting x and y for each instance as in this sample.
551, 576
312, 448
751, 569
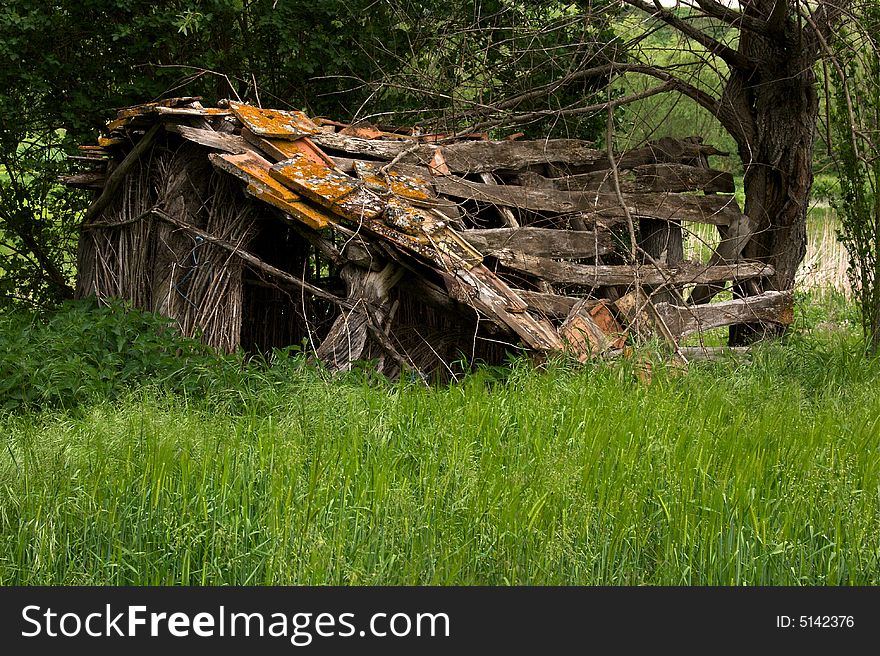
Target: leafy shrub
86, 351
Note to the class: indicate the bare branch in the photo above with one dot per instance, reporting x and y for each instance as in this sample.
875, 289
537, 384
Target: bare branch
730, 56
736, 18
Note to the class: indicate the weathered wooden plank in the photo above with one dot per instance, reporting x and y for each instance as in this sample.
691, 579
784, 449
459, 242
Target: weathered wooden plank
689, 151
553, 306
190, 111
650, 178
717, 210
228, 143
485, 292
254, 171
467, 156
274, 123
135, 110
773, 307
486, 156
625, 274
85, 180
542, 242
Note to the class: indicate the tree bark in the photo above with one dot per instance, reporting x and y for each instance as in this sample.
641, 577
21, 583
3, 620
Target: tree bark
776, 148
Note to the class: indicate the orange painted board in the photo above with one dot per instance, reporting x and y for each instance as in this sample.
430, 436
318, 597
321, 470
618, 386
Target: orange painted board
311, 216
251, 168
274, 123
336, 191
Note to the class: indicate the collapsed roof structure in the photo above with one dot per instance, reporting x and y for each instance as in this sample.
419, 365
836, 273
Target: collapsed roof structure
259, 228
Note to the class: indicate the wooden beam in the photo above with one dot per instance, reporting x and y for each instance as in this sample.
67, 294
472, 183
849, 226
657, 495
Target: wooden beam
651, 178
541, 242
467, 156
717, 210
228, 143
772, 307
553, 306
625, 274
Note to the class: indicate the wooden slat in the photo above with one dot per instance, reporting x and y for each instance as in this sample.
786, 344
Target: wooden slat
624, 274
468, 156
717, 210
553, 306
651, 178
542, 242
274, 123
228, 143
86, 180
191, 111
663, 151
485, 156
485, 292
774, 307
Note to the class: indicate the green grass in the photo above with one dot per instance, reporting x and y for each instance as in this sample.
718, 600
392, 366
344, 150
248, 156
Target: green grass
765, 472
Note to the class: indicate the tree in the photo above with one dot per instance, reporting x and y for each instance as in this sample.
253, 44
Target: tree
855, 123
768, 102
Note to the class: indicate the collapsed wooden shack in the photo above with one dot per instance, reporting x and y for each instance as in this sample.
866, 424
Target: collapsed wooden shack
259, 228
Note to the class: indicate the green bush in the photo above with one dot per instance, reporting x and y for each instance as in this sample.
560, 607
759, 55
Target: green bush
87, 351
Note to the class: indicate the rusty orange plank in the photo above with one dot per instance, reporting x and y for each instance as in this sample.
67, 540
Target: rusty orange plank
311, 216
251, 168
254, 170
336, 191
274, 123
285, 149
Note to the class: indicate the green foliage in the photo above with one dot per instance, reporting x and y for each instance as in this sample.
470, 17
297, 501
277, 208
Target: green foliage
86, 352
466, 58
856, 123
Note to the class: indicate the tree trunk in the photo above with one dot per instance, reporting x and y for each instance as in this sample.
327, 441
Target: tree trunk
777, 104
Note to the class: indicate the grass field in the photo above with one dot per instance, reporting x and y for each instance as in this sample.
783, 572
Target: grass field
760, 472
